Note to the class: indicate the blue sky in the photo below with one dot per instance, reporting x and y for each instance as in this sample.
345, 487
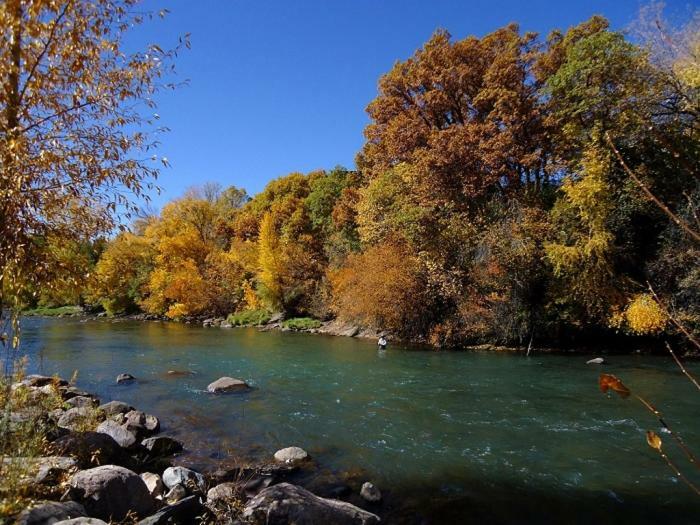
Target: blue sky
277, 86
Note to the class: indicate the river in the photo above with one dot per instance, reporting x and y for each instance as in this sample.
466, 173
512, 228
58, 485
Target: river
450, 437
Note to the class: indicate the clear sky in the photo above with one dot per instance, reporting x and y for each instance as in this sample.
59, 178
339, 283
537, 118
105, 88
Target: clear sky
277, 86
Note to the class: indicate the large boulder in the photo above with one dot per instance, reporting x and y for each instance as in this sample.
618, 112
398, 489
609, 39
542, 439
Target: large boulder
89, 448
185, 477
49, 512
110, 492
291, 455
227, 384
78, 418
121, 434
183, 511
162, 446
115, 407
287, 503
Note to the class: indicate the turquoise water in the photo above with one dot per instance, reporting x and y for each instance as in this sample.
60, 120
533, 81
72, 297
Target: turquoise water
455, 437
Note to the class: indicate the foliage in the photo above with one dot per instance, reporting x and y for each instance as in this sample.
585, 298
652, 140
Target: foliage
250, 318
301, 323
53, 311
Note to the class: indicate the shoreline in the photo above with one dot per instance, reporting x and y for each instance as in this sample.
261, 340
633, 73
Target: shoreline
337, 328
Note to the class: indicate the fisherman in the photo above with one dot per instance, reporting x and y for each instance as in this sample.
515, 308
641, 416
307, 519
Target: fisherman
381, 343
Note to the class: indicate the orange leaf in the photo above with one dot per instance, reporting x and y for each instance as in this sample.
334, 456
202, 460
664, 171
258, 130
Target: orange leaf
610, 382
654, 440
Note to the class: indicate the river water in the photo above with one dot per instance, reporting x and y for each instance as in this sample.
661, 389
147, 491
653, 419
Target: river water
458, 437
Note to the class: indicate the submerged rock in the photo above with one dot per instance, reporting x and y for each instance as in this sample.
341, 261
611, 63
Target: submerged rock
227, 384
287, 503
124, 378
110, 492
596, 361
49, 512
291, 455
370, 493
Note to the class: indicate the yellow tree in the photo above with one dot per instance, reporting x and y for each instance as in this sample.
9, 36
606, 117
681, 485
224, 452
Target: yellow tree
75, 136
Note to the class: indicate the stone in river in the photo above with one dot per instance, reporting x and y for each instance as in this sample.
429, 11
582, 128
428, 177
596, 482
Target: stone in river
115, 407
227, 384
370, 493
596, 361
291, 455
162, 445
124, 378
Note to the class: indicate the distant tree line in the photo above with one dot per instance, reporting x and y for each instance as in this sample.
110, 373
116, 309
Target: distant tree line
492, 202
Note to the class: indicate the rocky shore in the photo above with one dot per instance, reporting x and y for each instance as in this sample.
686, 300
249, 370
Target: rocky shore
110, 462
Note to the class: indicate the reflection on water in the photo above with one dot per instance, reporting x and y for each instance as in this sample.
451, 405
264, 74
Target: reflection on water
489, 437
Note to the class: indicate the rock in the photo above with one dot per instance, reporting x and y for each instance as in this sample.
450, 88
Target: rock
46, 469
596, 361
124, 378
82, 401
175, 494
370, 493
226, 324
180, 373
69, 392
110, 492
222, 492
154, 484
81, 521
227, 384
124, 437
115, 407
183, 511
49, 512
183, 476
141, 424
77, 418
162, 445
39, 380
291, 455
286, 503
89, 448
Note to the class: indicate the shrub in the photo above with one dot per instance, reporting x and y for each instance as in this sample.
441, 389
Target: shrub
250, 318
301, 323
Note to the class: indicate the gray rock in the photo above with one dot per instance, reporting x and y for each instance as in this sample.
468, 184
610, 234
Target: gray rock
141, 424
49, 512
69, 392
82, 401
46, 469
81, 521
124, 437
370, 493
286, 503
115, 407
124, 378
291, 455
226, 324
39, 380
110, 492
182, 511
183, 476
223, 492
89, 448
227, 384
175, 494
154, 484
596, 361
162, 445
77, 418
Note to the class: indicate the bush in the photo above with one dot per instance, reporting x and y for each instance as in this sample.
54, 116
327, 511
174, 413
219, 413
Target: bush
250, 318
301, 323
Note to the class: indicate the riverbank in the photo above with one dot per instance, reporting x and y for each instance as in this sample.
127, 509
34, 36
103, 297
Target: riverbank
110, 462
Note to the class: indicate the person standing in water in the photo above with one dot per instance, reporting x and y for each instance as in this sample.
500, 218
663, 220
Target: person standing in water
381, 343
